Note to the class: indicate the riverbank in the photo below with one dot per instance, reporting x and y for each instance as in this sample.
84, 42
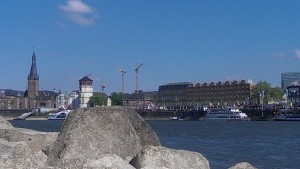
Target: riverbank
29, 118
45, 118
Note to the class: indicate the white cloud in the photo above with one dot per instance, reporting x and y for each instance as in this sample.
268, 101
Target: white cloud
79, 12
297, 53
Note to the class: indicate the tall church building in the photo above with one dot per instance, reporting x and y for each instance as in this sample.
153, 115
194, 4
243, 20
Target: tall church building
35, 97
33, 83
32, 98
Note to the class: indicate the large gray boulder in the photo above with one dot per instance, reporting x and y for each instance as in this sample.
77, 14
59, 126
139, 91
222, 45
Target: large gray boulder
92, 132
242, 165
164, 158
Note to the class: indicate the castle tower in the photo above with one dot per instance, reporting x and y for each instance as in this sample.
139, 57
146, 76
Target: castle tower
33, 83
85, 91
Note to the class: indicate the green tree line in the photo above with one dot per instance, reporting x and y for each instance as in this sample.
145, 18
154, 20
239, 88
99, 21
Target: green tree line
270, 93
116, 99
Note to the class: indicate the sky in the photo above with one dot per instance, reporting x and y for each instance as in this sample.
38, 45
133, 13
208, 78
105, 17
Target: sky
176, 40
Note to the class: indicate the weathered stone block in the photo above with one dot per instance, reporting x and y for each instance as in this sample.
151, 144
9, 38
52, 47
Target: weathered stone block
92, 132
242, 165
161, 157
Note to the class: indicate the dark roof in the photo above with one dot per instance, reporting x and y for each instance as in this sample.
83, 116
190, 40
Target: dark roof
99, 94
33, 71
43, 95
47, 95
134, 96
85, 78
140, 96
26, 93
9, 92
177, 84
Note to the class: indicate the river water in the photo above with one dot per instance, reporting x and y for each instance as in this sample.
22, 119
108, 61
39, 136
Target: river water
264, 144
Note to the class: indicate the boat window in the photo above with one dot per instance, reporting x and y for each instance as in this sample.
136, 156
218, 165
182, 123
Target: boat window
62, 115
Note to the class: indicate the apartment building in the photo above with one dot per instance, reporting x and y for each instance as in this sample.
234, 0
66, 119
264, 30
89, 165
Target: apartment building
220, 93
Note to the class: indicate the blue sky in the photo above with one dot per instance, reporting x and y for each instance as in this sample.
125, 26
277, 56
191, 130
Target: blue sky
196, 41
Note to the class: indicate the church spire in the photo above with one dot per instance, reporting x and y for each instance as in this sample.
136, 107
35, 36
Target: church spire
33, 71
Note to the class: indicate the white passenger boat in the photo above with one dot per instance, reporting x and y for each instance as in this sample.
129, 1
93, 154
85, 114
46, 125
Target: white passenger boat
175, 118
59, 115
228, 114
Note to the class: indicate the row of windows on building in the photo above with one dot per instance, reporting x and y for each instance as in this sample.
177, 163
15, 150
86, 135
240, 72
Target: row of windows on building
236, 92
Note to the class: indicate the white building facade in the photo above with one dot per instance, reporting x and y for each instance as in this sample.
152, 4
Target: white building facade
85, 91
73, 101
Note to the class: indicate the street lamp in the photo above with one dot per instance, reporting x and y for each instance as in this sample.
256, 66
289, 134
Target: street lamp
262, 103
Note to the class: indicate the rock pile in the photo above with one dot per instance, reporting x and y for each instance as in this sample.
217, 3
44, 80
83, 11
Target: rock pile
102, 137
23, 148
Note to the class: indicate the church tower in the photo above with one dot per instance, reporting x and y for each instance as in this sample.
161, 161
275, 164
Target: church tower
33, 81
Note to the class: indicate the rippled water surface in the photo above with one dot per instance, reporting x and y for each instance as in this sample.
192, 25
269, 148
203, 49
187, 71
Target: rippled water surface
264, 144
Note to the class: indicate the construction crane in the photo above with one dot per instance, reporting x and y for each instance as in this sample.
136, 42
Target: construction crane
123, 74
138, 66
103, 86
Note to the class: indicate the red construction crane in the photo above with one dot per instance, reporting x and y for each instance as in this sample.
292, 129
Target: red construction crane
138, 66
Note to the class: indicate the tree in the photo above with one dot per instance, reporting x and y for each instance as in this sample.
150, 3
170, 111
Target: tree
116, 98
276, 94
98, 101
270, 93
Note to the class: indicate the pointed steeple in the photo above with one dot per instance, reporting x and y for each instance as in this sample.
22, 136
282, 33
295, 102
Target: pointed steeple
33, 71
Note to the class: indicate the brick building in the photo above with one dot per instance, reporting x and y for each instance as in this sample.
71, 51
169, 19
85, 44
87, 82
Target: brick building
220, 93
174, 95
141, 100
187, 95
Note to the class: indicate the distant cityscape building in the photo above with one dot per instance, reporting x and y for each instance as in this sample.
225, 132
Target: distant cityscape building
45, 100
140, 100
287, 78
12, 99
220, 93
36, 98
61, 100
187, 95
85, 91
73, 101
32, 98
293, 93
174, 94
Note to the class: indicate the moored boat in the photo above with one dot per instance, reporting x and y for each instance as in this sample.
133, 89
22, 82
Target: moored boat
62, 115
228, 114
287, 117
174, 118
